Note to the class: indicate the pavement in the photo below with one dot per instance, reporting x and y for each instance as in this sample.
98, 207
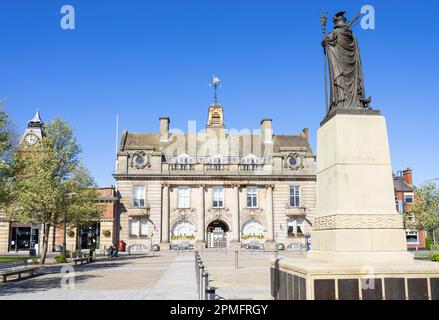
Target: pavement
164, 276
128, 278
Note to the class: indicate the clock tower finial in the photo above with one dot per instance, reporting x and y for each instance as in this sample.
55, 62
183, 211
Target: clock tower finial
216, 84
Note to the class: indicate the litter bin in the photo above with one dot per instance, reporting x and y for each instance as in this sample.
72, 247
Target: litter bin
32, 252
156, 247
280, 246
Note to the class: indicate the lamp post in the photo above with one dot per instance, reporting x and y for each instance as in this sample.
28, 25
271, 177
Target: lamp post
64, 245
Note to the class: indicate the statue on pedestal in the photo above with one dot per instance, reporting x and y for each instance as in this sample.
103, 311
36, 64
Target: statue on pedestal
345, 70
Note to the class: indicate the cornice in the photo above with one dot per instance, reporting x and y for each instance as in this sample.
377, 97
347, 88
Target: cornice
122, 177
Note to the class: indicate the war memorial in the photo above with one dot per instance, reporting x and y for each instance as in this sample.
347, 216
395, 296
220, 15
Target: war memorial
358, 242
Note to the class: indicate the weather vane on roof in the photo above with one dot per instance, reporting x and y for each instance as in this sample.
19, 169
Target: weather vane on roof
216, 83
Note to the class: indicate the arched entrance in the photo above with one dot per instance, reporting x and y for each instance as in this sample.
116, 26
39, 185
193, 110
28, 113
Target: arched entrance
217, 234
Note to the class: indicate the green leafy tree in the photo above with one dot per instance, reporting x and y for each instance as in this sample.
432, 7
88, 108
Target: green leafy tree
7, 137
52, 184
426, 207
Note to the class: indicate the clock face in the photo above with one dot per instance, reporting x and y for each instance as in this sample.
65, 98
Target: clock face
31, 139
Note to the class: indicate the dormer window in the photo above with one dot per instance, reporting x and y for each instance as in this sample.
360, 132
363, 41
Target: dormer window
250, 159
218, 159
184, 159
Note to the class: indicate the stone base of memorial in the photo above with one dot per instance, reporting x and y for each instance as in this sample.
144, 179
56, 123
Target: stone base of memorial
358, 242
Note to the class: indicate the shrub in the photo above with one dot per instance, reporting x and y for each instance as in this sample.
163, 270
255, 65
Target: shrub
435, 257
68, 254
60, 259
428, 243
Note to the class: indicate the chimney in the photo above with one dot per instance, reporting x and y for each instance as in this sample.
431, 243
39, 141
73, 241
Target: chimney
164, 129
407, 173
266, 131
306, 134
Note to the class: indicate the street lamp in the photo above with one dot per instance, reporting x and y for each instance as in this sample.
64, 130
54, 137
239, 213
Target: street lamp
64, 245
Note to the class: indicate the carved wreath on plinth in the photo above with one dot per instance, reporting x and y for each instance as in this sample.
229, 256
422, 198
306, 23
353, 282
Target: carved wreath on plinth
139, 160
294, 161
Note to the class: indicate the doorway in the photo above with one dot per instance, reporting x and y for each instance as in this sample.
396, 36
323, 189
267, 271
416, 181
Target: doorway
89, 236
217, 234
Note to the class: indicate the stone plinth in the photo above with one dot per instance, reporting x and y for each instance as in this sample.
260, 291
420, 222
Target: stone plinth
356, 219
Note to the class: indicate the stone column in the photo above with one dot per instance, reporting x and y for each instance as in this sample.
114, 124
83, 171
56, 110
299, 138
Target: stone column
269, 243
201, 209
236, 228
165, 217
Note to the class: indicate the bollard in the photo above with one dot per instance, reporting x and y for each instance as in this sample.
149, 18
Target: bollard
205, 282
276, 255
200, 282
236, 259
210, 293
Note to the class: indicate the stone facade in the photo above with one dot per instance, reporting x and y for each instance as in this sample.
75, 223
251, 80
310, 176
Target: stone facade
216, 187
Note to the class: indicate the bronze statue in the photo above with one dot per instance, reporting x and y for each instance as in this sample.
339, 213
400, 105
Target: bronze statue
345, 71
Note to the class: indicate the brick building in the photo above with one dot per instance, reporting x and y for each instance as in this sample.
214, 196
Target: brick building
405, 197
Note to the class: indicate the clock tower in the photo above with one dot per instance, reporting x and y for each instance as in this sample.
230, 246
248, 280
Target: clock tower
34, 132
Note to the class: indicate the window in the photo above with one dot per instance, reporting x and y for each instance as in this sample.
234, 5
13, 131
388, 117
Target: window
252, 197
412, 236
184, 159
183, 229
296, 227
139, 227
183, 197
218, 159
139, 196
410, 217
218, 197
250, 159
408, 198
294, 196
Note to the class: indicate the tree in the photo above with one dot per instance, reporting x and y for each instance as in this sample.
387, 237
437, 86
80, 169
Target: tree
52, 184
6, 164
426, 207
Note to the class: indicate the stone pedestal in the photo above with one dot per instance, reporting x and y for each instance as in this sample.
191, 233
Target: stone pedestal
200, 245
357, 233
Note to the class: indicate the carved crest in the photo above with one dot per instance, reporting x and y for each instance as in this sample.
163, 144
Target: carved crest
294, 161
139, 160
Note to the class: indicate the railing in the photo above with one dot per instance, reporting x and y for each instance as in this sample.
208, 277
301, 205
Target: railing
202, 277
250, 167
217, 167
182, 167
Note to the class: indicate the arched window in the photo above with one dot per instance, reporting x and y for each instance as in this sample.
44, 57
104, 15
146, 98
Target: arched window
252, 228
183, 228
216, 118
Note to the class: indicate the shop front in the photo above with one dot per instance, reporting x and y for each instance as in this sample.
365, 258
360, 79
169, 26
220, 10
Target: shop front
24, 237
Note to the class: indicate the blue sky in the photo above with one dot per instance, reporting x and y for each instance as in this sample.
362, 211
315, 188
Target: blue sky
146, 59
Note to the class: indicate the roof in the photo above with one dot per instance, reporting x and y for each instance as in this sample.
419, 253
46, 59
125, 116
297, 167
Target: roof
244, 143
405, 186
